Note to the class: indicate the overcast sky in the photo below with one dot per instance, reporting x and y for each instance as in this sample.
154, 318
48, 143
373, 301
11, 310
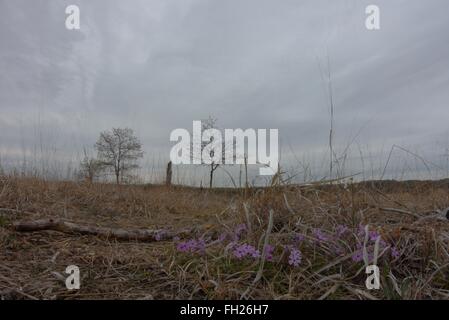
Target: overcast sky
157, 65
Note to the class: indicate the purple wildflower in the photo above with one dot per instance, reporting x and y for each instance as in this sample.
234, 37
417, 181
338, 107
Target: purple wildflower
192, 246
374, 235
295, 257
338, 250
357, 256
222, 237
395, 252
361, 231
245, 250
298, 237
255, 254
320, 236
269, 253
341, 230
201, 246
186, 246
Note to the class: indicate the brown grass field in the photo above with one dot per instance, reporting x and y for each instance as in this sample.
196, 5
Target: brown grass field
324, 222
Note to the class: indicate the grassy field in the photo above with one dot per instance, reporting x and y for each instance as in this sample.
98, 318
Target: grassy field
285, 242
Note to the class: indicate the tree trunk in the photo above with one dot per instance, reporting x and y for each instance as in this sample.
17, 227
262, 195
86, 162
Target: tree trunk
211, 175
117, 171
246, 171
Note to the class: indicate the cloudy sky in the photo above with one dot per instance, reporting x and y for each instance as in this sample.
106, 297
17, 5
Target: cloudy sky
157, 65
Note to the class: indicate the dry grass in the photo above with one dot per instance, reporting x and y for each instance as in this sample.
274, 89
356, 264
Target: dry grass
31, 264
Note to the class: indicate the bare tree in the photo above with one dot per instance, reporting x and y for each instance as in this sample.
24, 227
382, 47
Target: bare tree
90, 168
211, 123
119, 150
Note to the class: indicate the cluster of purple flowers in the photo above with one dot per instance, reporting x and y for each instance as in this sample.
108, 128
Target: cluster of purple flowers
192, 246
357, 256
298, 237
373, 237
269, 250
320, 236
245, 250
341, 230
395, 252
295, 257
337, 249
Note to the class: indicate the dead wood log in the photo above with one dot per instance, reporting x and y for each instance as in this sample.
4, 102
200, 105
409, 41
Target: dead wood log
168, 178
144, 235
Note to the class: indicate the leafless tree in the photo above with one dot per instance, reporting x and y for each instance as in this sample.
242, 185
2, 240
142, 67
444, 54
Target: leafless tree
90, 168
211, 123
119, 150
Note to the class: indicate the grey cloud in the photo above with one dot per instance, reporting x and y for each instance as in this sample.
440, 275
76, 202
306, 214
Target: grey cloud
157, 65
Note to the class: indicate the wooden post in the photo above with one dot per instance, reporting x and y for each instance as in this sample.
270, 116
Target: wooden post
246, 177
169, 174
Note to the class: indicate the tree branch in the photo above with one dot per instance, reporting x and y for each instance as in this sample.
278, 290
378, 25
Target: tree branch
60, 225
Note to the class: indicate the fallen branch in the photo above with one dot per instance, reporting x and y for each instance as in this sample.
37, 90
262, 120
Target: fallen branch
401, 211
14, 211
103, 232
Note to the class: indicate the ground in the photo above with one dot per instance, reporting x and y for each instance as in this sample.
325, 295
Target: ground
232, 241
